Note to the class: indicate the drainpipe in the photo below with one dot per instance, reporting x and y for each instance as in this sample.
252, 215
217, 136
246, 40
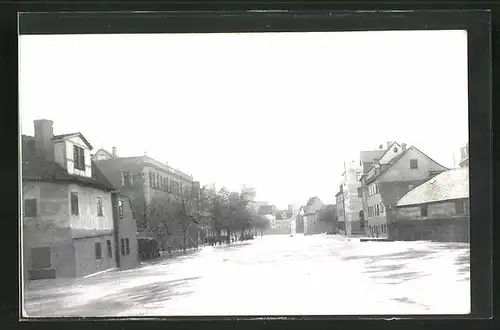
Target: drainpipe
116, 232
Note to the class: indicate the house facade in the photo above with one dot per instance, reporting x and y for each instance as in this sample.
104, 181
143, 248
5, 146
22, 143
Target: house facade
126, 235
310, 215
436, 210
339, 198
157, 191
351, 199
388, 179
67, 215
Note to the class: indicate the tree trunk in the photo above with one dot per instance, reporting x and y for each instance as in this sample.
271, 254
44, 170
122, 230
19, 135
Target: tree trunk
184, 240
241, 236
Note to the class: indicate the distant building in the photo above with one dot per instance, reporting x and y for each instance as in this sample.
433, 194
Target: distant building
350, 199
464, 156
128, 252
103, 154
435, 210
68, 219
397, 171
310, 215
340, 199
249, 192
155, 189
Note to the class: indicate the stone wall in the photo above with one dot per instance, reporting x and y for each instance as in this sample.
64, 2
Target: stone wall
451, 229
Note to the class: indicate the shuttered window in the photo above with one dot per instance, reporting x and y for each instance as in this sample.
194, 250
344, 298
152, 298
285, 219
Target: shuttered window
98, 251
79, 158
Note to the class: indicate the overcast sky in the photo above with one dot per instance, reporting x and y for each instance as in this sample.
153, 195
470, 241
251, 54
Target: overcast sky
279, 111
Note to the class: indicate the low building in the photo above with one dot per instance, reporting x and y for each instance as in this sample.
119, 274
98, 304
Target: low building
67, 222
436, 210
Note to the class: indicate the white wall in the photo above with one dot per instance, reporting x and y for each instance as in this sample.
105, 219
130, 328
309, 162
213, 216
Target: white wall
69, 157
87, 206
390, 154
401, 170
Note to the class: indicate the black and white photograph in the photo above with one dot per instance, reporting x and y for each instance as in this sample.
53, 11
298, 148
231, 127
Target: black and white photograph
219, 174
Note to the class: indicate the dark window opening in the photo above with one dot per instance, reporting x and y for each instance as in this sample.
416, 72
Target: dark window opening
459, 208
360, 192
110, 248
79, 158
30, 207
413, 164
99, 206
74, 203
40, 257
126, 179
127, 244
424, 211
122, 246
98, 251
395, 149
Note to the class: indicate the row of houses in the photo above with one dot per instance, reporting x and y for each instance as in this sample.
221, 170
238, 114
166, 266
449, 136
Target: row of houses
400, 193
80, 212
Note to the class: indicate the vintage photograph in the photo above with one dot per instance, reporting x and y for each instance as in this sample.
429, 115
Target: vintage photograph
219, 174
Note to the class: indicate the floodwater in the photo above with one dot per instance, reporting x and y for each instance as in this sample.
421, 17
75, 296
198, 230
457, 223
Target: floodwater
272, 275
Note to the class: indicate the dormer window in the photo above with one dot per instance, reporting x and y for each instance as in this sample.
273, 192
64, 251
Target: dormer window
395, 149
79, 158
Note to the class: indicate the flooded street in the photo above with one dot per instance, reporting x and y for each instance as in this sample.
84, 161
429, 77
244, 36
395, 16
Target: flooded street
273, 275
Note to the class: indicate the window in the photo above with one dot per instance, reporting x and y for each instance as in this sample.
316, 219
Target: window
424, 211
459, 208
110, 248
154, 181
377, 210
79, 158
167, 187
122, 246
360, 192
74, 203
98, 251
376, 188
30, 207
40, 257
413, 164
126, 179
127, 244
157, 181
395, 149
381, 207
151, 179
99, 206
120, 209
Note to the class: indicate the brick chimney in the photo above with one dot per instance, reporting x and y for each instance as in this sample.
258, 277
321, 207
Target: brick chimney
43, 139
403, 146
114, 152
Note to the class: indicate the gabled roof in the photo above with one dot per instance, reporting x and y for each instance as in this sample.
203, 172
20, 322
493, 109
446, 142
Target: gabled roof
387, 150
393, 161
449, 185
109, 154
80, 135
371, 155
36, 168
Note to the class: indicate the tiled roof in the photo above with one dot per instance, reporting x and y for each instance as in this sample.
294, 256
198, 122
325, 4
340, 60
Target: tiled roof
62, 136
385, 167
37, 168
449, 185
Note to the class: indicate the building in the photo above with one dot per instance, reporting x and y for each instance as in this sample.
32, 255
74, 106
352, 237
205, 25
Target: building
67, 221
103, 154
310, 215
249, 192
350, 199
127, 255
435, 210
464, 156
157, 192
397, 171
339, 197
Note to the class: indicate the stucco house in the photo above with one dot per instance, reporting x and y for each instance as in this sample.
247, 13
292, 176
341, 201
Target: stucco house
388, 179
310, 215
351, 218
435, 210
67, 213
